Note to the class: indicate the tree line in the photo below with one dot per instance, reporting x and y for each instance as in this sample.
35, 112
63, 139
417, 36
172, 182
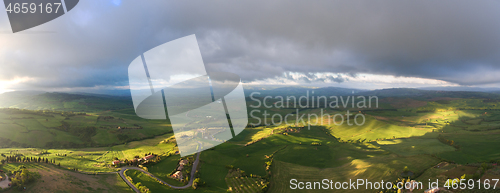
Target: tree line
14, 159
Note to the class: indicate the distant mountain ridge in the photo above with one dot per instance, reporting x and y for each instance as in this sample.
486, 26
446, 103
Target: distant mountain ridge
461, 88
35, 100
427, 94
300, 91
91, 102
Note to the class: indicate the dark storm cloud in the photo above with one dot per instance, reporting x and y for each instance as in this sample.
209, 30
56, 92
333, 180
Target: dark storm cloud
337, 79
456, 41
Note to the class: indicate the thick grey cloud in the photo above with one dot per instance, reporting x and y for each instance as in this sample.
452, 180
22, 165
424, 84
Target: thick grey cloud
455, 41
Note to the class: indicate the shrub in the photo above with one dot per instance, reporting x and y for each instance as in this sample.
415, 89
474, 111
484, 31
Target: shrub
142, 188
406, 170
197, 182
24, 177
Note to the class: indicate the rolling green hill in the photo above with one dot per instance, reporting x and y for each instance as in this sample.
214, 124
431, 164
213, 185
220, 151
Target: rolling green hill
63, 101
60, 129
411, 128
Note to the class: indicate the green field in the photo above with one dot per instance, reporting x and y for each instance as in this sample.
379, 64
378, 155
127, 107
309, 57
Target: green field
55, 179
96, 159
164, 168
474, 147
393, 143
417, 133
56, 129
147, 181
415, 146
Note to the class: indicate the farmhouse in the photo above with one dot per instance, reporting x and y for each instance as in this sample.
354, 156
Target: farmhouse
177, 175
434, 190
413, 185
180, 167
149, 157
116, 162
183, 162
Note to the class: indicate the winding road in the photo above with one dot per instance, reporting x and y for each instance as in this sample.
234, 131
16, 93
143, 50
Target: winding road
193, 171
5, 183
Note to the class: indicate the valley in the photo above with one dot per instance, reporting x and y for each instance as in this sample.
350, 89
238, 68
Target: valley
422, 137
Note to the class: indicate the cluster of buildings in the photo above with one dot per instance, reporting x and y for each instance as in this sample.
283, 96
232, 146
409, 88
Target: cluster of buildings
135, 160
178, 173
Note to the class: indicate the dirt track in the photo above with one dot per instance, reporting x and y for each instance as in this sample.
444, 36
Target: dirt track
4, 183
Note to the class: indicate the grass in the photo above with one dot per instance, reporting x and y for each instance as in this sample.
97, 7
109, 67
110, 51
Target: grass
96, 159
388, 141
54, 179
53, 129
64, 102
387, 168
342, 161
303, 161
333, 160
458, 171
147, 181
374, 129
474, 147
414, 146
434, 173
164, 168
156, 187
25, 128
244, 184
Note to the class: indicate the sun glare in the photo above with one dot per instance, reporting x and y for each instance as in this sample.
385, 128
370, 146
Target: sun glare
7, 85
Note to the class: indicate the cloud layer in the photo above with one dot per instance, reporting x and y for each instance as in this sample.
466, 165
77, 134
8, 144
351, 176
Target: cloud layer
92, 46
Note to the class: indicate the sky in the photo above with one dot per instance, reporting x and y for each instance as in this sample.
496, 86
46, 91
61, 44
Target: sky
358, 44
